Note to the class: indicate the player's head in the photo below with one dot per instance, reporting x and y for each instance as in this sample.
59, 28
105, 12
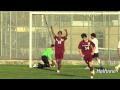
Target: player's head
53, 47
93, 35
84, 36
60, 34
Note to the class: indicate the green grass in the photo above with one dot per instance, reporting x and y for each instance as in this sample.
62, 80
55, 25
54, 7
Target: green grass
67, 72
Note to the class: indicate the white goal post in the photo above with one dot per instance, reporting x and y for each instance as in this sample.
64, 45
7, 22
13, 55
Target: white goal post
60, 13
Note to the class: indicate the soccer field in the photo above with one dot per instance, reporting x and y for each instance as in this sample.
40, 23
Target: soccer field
67, 72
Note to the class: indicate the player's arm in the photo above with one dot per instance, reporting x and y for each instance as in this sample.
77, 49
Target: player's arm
118, 48
118, 51
80, 51
52, 31
50, 57
66, 33
49, 54
93, 48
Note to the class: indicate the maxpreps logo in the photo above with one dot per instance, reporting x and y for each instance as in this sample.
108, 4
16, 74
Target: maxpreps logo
105, 71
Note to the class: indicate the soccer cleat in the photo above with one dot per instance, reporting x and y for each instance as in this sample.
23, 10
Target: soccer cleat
116, 68
58, 71
91, 77
87, 68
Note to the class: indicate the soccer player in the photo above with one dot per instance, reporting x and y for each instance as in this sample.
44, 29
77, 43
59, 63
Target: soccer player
117, 67
59, 47
86, 50
96, 55
47, 56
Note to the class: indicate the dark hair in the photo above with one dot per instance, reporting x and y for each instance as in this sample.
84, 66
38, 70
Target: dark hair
52, 45
83, 35
93, 34
60, 32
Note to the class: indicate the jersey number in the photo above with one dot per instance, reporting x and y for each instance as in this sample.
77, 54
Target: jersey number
86, 48
59, 42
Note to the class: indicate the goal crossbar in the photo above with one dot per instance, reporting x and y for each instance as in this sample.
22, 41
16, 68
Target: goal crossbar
77, 12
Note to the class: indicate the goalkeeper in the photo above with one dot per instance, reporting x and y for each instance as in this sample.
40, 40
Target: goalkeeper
46, 56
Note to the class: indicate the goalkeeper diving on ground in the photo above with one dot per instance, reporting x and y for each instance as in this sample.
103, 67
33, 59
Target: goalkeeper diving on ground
46, 57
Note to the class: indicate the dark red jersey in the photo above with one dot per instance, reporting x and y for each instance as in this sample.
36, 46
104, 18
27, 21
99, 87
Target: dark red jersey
59, 44
86, 47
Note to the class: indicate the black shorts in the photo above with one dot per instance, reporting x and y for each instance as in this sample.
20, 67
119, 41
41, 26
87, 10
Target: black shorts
45, 60
96, 55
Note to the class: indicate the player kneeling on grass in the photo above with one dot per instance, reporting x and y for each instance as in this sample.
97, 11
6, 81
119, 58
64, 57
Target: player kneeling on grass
86, 50
46, 56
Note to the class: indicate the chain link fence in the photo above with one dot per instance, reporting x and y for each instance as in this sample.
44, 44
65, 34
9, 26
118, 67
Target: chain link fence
14, 34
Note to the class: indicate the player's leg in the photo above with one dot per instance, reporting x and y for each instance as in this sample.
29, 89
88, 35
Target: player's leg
59, 65
42, 65
59, 57
57, 61
100, 63
92, 72
46, 62
88, 66
87, 62
98, 59
117, 68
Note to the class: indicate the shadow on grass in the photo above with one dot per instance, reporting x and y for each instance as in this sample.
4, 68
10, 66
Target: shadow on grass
73, 76
101, 68
47, 68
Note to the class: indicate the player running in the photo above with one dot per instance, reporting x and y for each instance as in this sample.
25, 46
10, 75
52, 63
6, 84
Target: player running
59, 47
86, 50
117, 67
96, 54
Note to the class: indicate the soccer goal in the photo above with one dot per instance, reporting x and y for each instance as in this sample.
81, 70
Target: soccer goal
39, 23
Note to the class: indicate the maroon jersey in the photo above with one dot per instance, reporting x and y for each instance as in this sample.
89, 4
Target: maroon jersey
86, 47
59, 43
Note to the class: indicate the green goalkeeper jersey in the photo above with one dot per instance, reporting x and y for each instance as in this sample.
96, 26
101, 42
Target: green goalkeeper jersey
48, 53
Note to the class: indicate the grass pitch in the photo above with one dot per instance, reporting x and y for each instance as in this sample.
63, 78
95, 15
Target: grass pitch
67, 72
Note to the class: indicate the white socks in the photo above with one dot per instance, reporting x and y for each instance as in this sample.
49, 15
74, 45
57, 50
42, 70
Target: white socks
98, 60
118, 66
